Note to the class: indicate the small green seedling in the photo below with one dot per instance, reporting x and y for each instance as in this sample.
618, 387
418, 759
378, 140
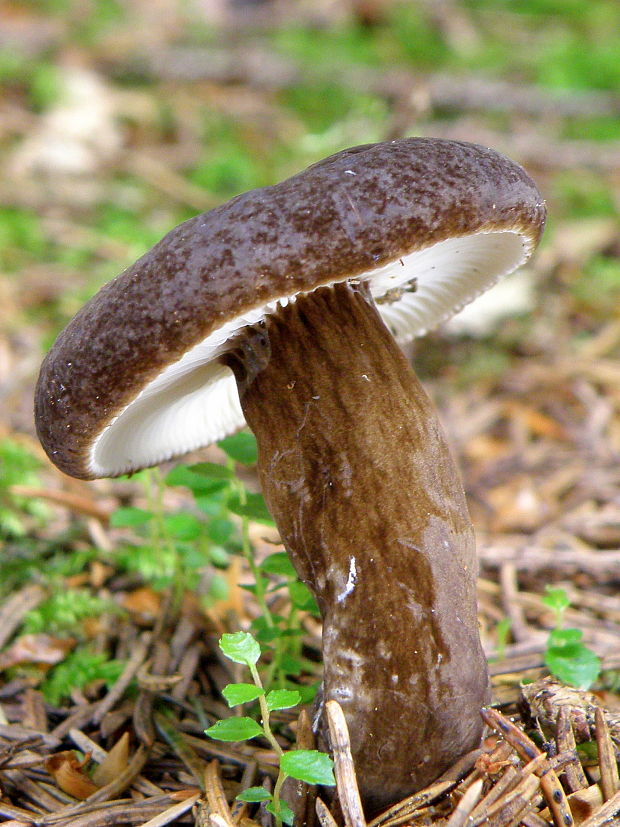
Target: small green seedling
566, 656
502, 631
311, 766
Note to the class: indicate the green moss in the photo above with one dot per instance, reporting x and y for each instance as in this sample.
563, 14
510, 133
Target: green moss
227, 170
138, 232
485, 362
236, 157
18, 466
14, 67
572, 44
27, 560
418, 41
581, 193
572, 60
592, 129
64, 612
45, 86
321, 105
37, 80
21, 238
334, 44
79, 669
91, 28
598, 287
573, 11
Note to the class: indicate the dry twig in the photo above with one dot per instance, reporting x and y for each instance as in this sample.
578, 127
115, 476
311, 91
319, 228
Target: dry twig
346, 781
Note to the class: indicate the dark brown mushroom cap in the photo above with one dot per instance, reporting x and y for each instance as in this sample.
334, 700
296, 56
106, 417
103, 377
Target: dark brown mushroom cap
346, 217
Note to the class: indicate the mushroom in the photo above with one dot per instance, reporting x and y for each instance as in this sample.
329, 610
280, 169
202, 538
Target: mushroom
281, 309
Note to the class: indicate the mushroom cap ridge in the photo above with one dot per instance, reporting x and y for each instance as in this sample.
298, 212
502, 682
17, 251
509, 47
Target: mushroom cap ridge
341, 218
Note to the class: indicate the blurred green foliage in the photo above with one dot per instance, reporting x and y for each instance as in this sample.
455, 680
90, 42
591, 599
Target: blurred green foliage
22, 239
18, 466
597, 290
30, 561
38, 80
568, 45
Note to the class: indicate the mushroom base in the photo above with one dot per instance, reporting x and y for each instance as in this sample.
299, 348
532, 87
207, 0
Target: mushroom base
369, 504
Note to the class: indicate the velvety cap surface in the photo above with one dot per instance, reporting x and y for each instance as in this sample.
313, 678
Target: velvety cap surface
134, 379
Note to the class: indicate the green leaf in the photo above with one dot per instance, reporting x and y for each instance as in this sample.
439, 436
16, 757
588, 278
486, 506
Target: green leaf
130, 517
254, 508
254, 795
241, 693
563, 637
219, 557
210, 504
241, 447
283, 811
266, 634
183, 526
252, 587
197, 483
220, 529
291, 664
308, 692
212, 471
278, 563
282, 699
219, 588
302, 598
309, 765
240, 647
234, 729
502, 630
556, 599
573, 663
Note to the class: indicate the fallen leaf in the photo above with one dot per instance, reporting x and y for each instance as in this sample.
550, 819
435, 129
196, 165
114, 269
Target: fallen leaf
69, 774
114, 763
40, 648
143, 602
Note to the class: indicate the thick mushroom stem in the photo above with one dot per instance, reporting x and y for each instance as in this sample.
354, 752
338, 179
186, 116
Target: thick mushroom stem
360, 481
